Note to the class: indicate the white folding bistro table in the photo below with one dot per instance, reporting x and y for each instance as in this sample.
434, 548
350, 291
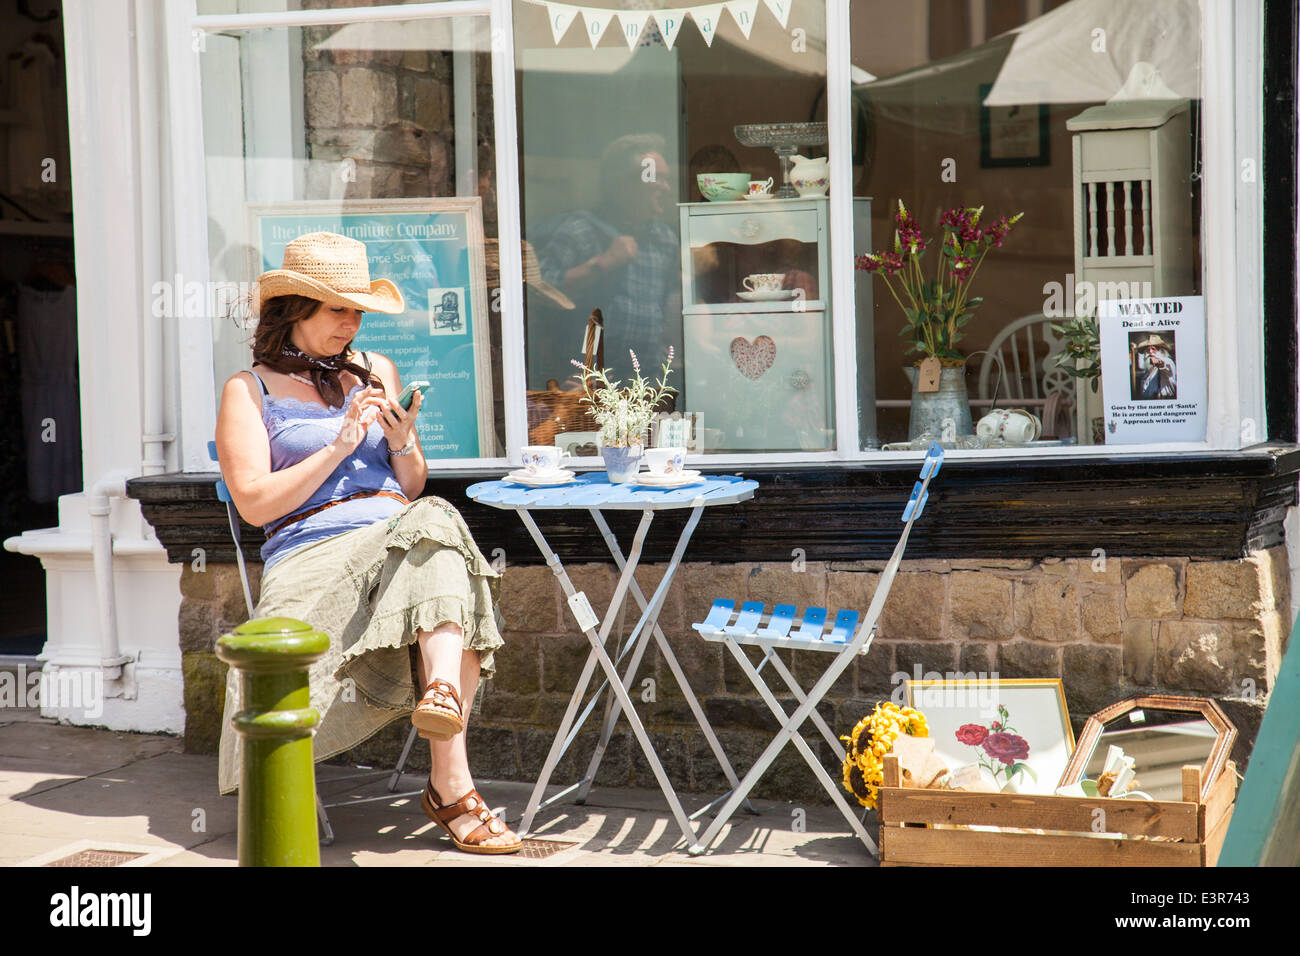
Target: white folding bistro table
594, 494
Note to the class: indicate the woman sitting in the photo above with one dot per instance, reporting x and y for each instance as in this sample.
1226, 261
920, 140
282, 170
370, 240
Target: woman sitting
315, 447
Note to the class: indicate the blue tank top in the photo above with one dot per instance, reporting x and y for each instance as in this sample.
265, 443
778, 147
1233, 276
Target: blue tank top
297, 430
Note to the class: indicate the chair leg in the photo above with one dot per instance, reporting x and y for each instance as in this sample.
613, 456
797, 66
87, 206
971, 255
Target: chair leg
323, 818
401, 763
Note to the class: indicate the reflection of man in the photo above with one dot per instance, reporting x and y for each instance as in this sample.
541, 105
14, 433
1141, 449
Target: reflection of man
1155, 369
622, 258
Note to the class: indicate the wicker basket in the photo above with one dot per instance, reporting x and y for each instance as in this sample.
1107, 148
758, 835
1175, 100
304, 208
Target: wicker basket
558, 410
554, 411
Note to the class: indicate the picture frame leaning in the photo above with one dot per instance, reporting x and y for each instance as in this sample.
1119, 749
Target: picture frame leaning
1017, 731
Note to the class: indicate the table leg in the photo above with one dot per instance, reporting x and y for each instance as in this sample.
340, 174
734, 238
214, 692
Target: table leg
649, 616
560, 744
626, 582
643, 739
655, 604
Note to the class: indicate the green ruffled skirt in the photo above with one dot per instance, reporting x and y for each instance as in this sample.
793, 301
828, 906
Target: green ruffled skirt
371, 590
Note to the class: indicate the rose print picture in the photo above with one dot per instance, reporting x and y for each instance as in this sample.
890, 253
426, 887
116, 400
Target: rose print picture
1001, 751
1013, 734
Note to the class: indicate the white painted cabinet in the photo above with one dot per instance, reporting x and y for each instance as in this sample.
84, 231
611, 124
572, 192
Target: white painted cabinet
758, 373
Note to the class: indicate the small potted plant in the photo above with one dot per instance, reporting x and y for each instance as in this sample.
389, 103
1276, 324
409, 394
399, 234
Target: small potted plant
1080, 356
623, 413
938, 308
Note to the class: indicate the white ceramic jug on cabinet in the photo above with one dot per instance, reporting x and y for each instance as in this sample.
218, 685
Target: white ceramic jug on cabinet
810, 176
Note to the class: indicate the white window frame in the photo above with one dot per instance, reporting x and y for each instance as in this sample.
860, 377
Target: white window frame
1231, 229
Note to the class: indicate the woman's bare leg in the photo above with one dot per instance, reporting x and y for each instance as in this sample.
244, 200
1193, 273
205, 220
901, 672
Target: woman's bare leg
445, 660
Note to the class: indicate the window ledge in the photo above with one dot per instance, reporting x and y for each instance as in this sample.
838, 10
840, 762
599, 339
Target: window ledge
1212, 506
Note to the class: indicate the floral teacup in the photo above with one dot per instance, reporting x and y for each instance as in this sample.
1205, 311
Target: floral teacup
542, 459
665, 461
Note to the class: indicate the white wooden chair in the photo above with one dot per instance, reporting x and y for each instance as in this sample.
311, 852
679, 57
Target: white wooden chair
1026, 351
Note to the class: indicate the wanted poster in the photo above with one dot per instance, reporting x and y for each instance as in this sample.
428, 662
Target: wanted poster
1153, 369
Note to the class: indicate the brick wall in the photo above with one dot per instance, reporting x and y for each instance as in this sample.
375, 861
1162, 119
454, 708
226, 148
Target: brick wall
1109, 629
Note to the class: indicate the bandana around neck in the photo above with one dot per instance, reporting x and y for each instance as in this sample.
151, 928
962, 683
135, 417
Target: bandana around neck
324, 372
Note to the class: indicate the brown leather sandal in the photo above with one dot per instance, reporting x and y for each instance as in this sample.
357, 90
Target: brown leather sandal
439, 716
469, 805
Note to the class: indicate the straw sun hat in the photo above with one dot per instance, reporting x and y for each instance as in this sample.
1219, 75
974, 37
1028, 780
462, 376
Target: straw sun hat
332, 269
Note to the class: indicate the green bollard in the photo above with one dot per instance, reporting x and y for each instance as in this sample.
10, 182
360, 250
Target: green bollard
277, 789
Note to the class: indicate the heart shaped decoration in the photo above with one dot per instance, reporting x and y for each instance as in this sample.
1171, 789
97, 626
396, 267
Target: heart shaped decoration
753, 358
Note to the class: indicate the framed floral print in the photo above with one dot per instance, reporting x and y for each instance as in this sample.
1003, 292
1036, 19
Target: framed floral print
1016, 732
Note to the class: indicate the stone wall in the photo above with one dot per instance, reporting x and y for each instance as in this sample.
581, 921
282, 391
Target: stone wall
1110, 629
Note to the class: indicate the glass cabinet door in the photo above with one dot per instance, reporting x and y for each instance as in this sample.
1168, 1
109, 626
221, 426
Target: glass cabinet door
754, 254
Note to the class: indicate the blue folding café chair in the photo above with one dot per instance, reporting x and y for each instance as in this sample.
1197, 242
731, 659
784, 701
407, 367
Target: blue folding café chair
327, 831
849, 635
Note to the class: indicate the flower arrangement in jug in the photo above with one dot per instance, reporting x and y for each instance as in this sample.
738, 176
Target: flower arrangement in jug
624, 412
937, 308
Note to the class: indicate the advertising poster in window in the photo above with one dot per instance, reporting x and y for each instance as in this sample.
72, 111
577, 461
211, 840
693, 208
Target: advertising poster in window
1153, 369
432, 250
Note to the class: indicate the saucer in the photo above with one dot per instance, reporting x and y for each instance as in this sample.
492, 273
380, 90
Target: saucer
768, 295
541, 480
685, 477
753, 198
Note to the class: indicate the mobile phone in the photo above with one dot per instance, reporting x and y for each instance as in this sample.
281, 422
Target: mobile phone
408, 393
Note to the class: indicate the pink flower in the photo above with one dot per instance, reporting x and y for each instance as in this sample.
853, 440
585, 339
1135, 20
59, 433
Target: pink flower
962, 268
972, 735
1005, 747
955, 219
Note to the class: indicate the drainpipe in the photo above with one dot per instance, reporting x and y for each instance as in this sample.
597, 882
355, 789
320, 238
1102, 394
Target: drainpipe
100, 507
149, 105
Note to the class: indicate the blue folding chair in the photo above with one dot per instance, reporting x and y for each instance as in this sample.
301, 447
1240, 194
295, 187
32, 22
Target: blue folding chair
327, 831
849, 635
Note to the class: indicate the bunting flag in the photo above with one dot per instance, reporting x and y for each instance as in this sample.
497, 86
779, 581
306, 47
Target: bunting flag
781, 10
670, 24
633, 25
597, 22
560, 16
707, 20
743, 12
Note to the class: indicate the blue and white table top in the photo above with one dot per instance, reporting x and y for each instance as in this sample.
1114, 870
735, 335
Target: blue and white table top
593, 490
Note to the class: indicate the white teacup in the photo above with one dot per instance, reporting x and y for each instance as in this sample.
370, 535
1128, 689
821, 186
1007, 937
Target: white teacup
664, 461
764, 282
760, 188
1014, 425
542, 459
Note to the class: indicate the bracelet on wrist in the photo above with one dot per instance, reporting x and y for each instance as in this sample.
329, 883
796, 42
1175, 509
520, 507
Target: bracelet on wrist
405, 449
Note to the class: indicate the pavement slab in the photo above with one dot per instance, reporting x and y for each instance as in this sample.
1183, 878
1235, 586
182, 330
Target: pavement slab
72, 787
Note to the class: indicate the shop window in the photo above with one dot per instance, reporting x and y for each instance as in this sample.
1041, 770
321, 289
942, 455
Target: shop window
641, 134
1086, 119
630, 126
381, 130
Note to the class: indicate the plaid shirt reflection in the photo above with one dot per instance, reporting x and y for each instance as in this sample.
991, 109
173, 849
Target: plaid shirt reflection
641, 300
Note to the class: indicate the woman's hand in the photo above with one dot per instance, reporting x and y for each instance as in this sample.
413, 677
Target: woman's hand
398, 423
366, 406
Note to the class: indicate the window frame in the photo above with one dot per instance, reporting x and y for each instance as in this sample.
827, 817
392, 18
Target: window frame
1231, 227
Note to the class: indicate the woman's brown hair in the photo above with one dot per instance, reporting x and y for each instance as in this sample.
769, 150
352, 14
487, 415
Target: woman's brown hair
273, 348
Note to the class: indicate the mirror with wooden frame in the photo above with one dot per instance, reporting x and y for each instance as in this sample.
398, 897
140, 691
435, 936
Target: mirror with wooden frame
1163, 734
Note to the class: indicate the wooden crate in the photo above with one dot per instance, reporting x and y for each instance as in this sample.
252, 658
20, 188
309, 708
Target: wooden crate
1190, 832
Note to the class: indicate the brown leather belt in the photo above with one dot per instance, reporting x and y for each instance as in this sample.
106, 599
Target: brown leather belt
330, 504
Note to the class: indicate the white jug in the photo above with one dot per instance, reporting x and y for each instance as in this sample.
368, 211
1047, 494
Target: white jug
810, 176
